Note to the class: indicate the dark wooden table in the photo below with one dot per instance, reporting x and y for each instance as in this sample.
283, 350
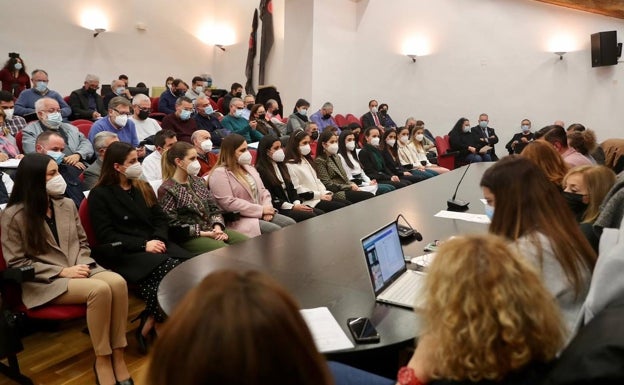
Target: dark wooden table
321, 263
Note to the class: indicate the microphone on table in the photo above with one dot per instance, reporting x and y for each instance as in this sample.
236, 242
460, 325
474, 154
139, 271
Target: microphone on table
454, 204
407, 232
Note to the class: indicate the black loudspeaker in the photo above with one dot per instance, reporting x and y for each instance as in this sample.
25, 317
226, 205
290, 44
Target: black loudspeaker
604, 49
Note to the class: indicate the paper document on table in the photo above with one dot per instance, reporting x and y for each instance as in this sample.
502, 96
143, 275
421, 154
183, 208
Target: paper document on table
10, 163
478, 218
328, 335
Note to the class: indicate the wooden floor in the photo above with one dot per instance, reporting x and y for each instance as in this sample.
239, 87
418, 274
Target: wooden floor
66, 356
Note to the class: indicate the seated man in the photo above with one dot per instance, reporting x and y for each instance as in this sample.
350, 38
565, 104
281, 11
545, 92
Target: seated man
208, 94
13, 122
323, 117
248, 101
272, 113
236, 91
197, 88
203, 145
118, 87
206, 120
312, 129
152, 165
557, 137
25, 104
100, 144
144, 125
167, 101
85, 102
486, 134
372, 118
235, 122
180, 121
118, 122
52, 143
77, 149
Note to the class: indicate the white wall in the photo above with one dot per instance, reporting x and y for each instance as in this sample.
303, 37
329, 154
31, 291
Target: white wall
485, 55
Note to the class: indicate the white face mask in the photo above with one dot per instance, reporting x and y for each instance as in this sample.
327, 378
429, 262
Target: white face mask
332, 148
54, 120
419, 137
56, 185
206, 145
193, 168
9, 113
121, 120
350, 145
199, 89
375, 141
305, 150
278, 155
244, 158
391, 142
374, 110
134, 171
404, 139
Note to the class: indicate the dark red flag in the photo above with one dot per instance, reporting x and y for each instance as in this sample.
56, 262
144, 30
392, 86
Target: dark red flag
251, 54
266, 41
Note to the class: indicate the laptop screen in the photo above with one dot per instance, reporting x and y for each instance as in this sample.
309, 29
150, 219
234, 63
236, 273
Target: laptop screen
384, 256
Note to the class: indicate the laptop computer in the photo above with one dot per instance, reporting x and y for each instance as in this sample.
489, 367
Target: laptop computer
392, 282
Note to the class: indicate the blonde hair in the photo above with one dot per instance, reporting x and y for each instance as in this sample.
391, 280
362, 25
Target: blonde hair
598, 181
487, 310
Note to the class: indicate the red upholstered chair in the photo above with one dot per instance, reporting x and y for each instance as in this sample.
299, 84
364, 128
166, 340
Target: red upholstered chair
341, 121
353, 119
155, 104
84, 128
254, 155
81, 121
85, 220
446, 159
18, 140
66, 99
158, 116
220, 106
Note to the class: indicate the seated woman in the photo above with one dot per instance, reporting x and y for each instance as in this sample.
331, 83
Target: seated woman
194, 217
389, 151
303, 175
373, 164
266, 127
529, 211
124, 209
331, 173
412, 151
584, 142
519, 141
40, 228
547, 159
236, 186
584, 188
275, 176
347, 144
462, 139
299, 117
478, 287
8, 146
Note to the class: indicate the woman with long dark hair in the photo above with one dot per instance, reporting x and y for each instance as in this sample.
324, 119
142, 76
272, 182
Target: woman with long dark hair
373, 163
41, 229
275, 176
462, 139
124, 208
13, 75
390, 152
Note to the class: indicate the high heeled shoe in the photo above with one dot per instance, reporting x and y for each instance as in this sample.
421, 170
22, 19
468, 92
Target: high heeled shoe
141, 339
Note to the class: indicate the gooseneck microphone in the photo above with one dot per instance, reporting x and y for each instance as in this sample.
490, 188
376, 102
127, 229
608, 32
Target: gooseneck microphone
407, 232
454, 204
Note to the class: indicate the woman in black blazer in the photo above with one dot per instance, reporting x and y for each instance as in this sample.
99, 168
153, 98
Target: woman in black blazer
274, 174
372, 161
125, 209
389, 151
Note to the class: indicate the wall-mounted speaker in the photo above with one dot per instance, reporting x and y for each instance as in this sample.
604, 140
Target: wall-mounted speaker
604, 49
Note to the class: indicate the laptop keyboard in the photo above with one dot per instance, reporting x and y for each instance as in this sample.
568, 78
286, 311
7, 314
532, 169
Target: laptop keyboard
407, 290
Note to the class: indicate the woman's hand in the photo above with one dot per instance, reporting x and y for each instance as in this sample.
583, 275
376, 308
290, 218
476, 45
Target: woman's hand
354, 187
218, 234
302, 208
373, 182
155, 246
395, 178
3, 157
326, 197
266, 210
472, 149
77, 271
267, 217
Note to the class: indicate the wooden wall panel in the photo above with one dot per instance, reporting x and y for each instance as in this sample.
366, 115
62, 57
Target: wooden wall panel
613, 8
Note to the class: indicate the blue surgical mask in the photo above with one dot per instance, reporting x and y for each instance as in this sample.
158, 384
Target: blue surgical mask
303, 112
525, 128
483, 124
54, 120
489, 211
18, 66
238, 113
466, 128
208, 110
41, 86
57, 156
119, 90
185, 115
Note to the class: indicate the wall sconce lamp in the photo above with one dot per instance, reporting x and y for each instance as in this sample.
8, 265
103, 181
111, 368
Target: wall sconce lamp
98, 31
560, 54
412, 56
220, 46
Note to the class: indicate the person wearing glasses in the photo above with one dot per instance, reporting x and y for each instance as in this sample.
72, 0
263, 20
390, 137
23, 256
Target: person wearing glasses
180, 120
144, 125
118, 122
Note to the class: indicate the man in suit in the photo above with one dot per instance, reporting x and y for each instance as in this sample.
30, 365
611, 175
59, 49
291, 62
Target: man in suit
100, 143
371, 118
487, 135
85, 102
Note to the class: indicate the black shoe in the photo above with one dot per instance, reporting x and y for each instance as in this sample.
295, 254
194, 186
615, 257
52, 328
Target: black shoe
141, 339
129, 381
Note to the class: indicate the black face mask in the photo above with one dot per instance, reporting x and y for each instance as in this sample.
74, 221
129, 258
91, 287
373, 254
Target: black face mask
326, 116
143, 114
249, 106
180, 93
262, 116
92, 91
383, 112
238, 94
576, 204
314, 135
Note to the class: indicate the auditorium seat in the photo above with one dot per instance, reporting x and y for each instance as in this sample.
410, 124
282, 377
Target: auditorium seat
84, 128
18, 140
341, 121
155, 104
446, 159
81, 121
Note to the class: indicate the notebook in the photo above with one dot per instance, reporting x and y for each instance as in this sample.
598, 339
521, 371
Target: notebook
392, 282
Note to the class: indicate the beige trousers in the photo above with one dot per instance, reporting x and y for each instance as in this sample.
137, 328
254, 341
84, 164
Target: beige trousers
106, 296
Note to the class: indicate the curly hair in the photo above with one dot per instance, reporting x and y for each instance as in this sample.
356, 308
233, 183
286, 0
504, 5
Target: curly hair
488, 311
583, 141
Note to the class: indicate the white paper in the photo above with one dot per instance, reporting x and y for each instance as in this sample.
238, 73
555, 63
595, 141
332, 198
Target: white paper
2, 206
86, 193
477, 218
423, 260
253, 145
10, 163
328, 335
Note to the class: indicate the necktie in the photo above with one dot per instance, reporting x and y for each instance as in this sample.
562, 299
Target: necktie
376, 119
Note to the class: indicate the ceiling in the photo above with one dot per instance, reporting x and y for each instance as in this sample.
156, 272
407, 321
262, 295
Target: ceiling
613, 8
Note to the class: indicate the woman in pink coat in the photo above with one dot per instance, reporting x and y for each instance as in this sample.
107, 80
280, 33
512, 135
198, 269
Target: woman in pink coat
237, 187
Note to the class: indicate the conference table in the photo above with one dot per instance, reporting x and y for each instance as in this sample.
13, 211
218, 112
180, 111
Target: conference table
321, 263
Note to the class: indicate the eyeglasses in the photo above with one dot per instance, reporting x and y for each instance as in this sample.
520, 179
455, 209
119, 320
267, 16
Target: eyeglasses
145, 109
122, 113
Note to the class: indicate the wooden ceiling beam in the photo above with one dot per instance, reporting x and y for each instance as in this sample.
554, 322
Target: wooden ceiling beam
613, 8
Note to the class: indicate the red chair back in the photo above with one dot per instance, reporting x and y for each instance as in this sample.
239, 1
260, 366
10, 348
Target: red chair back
81, 121
220, 106
66, 99
353, 119
254, 155
443, 144
155, 104
84, 128
341, 121
18, 140
85, 220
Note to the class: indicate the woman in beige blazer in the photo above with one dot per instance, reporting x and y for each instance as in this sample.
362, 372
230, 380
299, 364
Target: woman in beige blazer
40, 228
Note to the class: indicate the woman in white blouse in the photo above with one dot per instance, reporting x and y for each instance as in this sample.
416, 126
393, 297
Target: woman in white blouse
303, 175
413, 151
348, 155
